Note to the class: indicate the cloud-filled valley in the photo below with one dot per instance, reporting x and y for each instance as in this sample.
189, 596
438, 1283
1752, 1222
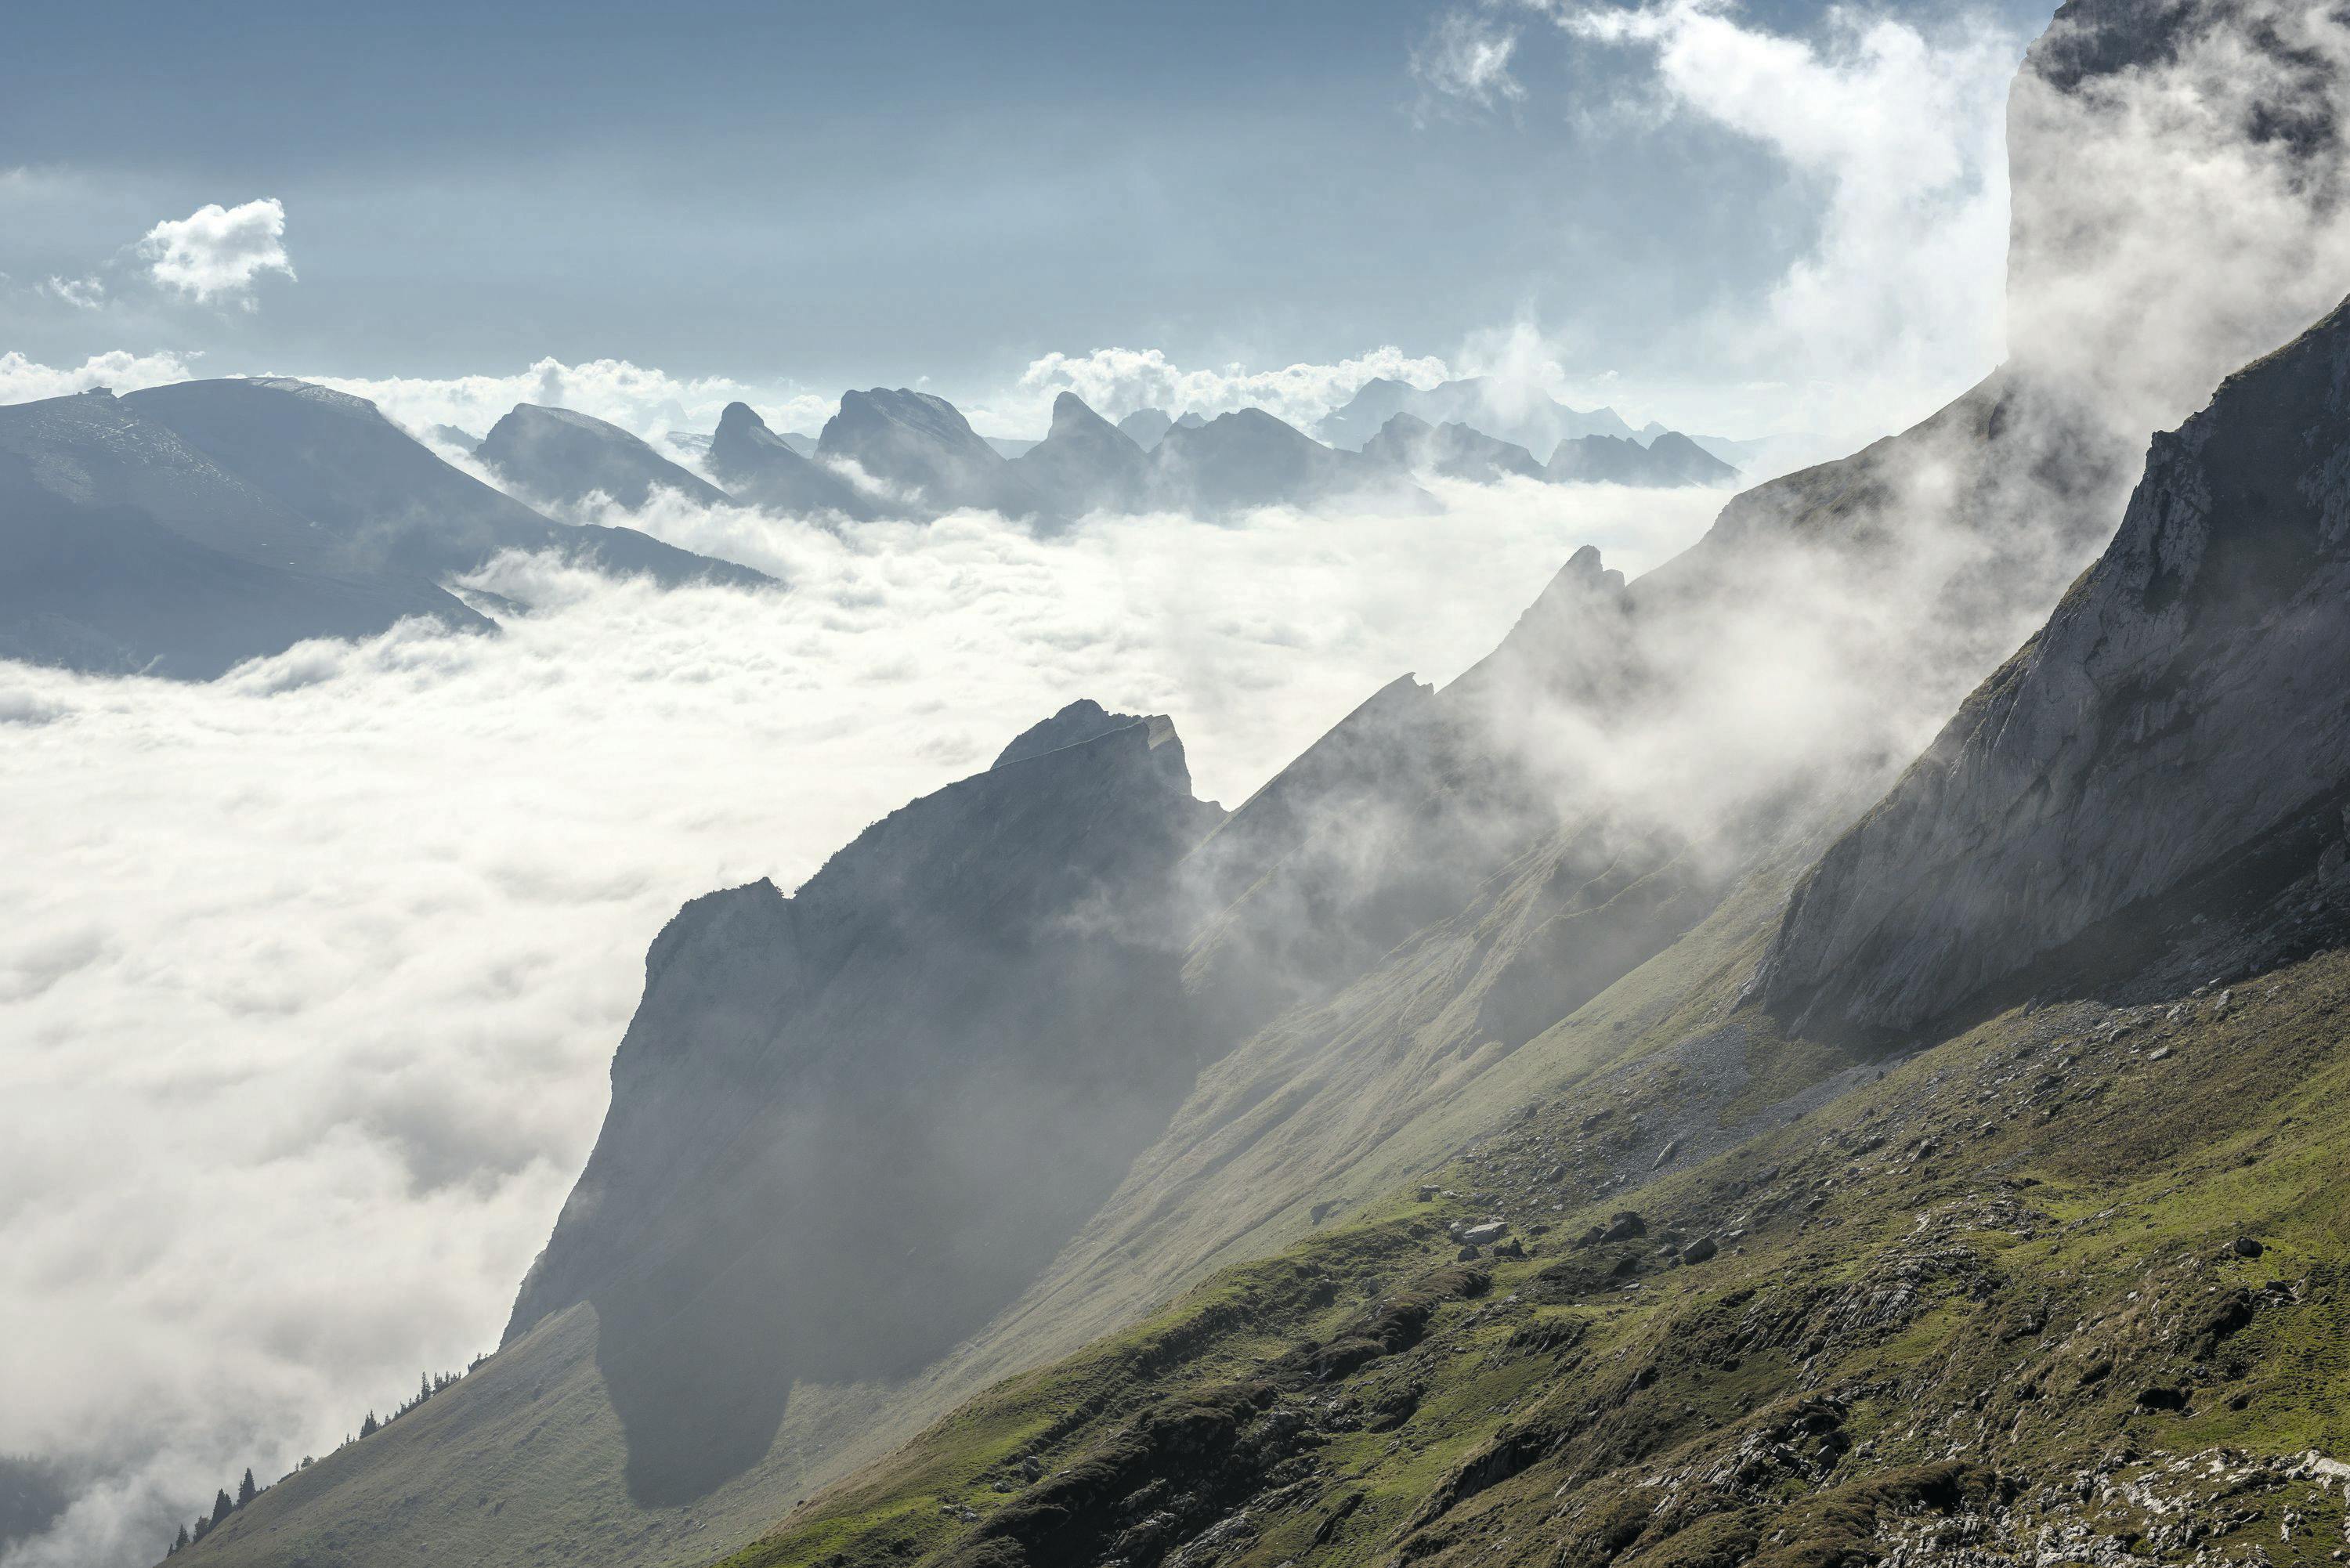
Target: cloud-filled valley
353, 930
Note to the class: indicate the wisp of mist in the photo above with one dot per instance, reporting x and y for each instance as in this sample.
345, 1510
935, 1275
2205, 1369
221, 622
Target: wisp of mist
309, 976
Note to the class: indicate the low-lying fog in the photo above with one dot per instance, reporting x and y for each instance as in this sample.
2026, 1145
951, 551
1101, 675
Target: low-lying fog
309, 977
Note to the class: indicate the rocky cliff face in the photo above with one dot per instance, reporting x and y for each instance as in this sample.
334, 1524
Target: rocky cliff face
848, 1124
2179, 718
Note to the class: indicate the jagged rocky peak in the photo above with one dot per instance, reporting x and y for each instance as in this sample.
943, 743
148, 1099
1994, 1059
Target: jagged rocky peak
1085, 463
2174, 737
847, 1125
1081, 722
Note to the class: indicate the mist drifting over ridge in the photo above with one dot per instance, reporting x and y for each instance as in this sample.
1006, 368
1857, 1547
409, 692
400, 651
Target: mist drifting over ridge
359, 922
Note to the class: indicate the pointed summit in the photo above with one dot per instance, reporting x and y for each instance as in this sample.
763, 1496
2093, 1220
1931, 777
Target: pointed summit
761, 468
1085, 464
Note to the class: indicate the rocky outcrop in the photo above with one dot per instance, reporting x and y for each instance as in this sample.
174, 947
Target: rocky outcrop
2180, 711
1085, 463
848, 1124
767, 470
563, 457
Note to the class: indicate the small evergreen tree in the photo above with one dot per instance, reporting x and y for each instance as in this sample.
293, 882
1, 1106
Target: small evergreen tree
366, 1427
246, 1489
203, 1526
180, 1541
221, 1506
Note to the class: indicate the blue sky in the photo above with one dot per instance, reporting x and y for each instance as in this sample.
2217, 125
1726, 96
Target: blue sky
809, 197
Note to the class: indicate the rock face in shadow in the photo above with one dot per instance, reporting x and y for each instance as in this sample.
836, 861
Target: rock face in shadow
768, 470
922, 449
562, 456
849, 1126
2182, 709
1410, 444
1085, 463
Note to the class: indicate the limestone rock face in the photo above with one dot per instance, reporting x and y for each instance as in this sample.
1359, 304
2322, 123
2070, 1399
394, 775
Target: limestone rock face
847, 1125
2181, 710
564, 456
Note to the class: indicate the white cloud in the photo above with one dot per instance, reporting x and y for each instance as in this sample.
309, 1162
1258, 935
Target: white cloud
22, 379
1116, 381
295, 1136
1897, 302
216, 251
83, 292
1465, 59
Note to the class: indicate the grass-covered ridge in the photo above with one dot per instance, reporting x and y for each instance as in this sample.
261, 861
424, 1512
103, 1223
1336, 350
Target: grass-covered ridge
2070, 1285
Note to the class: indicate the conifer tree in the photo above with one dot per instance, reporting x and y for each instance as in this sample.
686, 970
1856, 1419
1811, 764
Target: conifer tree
246, 1489
222, 1505
366, 1427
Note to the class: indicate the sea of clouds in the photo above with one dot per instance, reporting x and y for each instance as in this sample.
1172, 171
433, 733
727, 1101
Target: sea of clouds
309, 976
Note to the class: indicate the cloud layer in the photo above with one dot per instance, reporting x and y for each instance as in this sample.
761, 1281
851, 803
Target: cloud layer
309, 978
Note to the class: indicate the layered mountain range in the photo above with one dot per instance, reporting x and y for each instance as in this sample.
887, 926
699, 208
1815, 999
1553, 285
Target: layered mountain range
182, 529
1651, 1101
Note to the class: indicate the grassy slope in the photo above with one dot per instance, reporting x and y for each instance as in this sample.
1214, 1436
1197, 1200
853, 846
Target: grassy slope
1986, 1304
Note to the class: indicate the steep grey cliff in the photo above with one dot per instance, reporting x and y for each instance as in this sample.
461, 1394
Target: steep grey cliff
847, 1125
2179, 717
562, 456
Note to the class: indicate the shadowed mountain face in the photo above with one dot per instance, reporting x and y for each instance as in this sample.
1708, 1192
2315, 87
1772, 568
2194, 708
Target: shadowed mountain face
123, 547
847, 1126
1411, 444
1085, 463
557, 455
767, 470
2176, 725
921, 445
